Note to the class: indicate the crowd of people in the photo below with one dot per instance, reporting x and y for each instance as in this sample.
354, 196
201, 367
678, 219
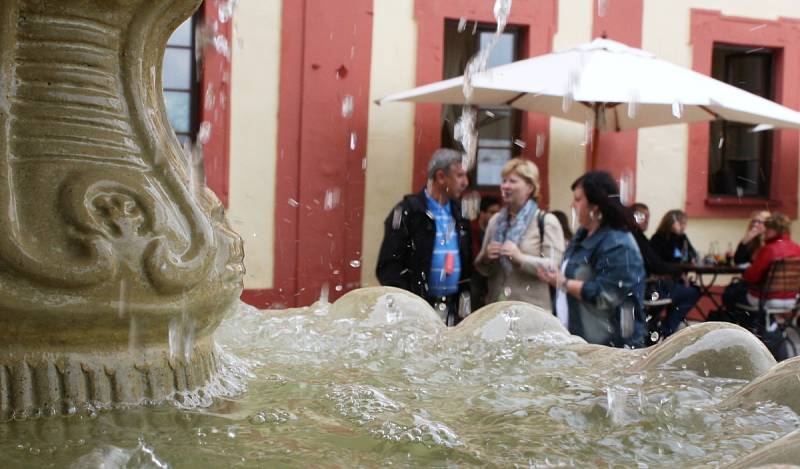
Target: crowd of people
595, 280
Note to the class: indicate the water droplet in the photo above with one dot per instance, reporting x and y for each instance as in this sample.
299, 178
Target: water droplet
677, 109
654, 336
353, 140
721, 143
520, 143
397, 218
338, 288
332, 197
602, 7
462, 24
226, 9
540, 141
221, 46
626, 191
507, 292
204, 133
293, 203
347, 106
633, 109
466, 134
654, 296
355, 263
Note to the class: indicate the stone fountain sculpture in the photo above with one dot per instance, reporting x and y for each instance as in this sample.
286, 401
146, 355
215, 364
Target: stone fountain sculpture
114, 272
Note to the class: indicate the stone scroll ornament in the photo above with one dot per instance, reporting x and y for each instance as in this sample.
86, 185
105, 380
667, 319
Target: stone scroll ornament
114, 271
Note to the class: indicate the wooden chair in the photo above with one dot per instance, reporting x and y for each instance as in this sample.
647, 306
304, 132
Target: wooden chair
783, 276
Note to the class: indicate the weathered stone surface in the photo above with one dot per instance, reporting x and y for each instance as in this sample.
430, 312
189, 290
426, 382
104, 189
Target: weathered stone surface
104, 240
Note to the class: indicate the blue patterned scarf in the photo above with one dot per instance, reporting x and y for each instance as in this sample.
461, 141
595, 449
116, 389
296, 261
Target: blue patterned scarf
506, 232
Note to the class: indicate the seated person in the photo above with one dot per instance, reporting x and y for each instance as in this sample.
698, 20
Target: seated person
777, 245
670, 241
753, 238
641, 215
664, 280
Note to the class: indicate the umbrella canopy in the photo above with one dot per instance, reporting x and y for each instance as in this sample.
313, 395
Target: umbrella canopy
615, 86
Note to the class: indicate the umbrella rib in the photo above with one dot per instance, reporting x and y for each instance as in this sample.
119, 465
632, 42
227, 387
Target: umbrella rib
515, 98
716, 116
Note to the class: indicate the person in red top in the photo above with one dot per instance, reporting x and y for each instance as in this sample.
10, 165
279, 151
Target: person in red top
777, 245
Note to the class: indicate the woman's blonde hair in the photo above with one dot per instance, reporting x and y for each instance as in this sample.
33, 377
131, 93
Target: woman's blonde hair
525, 169
760, 214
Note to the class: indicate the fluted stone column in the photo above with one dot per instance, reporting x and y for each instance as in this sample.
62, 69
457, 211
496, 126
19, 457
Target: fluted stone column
114, 272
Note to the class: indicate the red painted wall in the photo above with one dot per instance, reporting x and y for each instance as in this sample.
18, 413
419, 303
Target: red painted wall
708, 27
621, 21
216, 79
325, 57
539, 17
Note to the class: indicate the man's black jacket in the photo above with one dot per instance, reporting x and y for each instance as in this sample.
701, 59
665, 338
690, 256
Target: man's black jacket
409, 233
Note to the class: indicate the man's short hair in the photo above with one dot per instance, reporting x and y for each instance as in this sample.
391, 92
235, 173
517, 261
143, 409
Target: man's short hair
442, 159
488, 201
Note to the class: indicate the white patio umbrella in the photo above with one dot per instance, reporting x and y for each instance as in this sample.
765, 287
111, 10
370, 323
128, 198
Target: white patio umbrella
613, 86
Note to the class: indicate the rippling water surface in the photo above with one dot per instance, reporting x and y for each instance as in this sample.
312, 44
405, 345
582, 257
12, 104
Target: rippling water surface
390, 386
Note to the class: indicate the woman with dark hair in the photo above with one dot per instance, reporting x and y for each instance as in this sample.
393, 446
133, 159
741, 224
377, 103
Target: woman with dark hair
601, 281
670, 241
564, 222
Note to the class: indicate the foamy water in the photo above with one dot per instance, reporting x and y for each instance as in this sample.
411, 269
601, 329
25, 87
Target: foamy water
377, 380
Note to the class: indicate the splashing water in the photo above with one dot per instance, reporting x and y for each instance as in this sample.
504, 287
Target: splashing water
627, 192
347, 106
226, 10
540, 143
383, 384
470, 205
332, 198
602, 7
677, 109
573, 220
502, 9
465, 129
466, 134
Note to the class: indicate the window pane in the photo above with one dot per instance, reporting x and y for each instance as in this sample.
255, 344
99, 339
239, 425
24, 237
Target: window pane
178, 109
490, 163
497, 127
739, 159
182, 36
177, 69
503, 52
750, 73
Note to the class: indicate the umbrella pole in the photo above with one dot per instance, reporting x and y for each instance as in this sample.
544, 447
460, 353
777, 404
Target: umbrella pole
595, 137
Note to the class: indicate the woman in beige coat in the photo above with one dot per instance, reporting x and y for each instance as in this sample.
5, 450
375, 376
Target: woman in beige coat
512, 247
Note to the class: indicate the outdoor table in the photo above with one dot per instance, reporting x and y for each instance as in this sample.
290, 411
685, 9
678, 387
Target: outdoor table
706, 276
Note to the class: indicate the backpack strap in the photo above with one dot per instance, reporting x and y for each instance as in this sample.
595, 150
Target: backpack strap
540, 214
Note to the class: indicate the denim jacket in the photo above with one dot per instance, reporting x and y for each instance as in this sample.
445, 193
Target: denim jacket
611, 267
